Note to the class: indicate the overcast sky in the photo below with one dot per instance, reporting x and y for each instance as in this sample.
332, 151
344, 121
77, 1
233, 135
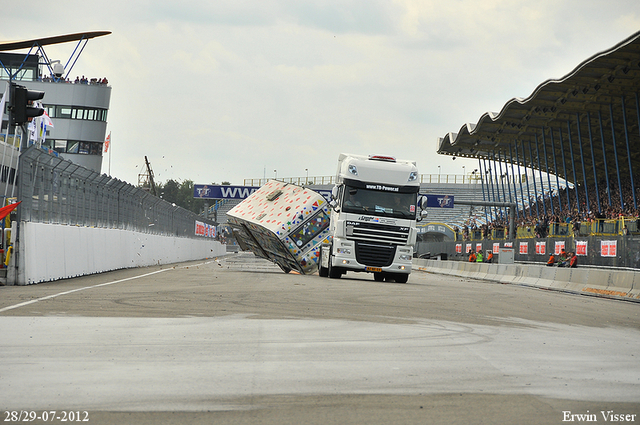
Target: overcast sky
227, 90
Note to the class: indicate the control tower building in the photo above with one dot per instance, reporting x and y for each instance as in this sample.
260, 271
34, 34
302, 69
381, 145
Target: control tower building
78, 108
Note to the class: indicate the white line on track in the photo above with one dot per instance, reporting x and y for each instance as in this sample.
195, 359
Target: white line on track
48, 297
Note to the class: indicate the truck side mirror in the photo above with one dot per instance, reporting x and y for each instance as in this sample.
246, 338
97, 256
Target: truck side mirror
422, 216
335, 193
423, 202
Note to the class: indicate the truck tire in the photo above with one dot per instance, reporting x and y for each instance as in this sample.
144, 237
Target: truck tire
322, 271
334, 272
401, 278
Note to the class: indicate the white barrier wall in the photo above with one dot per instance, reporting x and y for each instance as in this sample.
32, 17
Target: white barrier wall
605, 282
50, 252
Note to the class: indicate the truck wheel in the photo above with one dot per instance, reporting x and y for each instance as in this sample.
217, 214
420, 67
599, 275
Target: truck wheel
378, 277
334, 273
402, 278
322, 271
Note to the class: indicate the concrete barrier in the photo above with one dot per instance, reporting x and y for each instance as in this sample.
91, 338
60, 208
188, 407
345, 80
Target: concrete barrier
50, 252
610, 283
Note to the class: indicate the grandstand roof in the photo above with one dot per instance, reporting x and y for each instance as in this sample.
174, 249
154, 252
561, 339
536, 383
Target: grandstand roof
44, 41
592, 93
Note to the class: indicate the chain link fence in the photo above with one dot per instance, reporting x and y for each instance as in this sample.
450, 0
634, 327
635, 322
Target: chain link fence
56, 191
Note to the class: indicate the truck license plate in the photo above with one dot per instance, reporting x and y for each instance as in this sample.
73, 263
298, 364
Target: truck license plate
374, 269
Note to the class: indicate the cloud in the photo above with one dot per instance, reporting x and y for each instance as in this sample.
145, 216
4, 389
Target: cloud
231, 89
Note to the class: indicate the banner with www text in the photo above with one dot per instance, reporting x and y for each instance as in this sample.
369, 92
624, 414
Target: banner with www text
209, 191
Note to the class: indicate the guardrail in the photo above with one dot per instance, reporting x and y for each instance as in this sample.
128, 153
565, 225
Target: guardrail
469, 178
321, 180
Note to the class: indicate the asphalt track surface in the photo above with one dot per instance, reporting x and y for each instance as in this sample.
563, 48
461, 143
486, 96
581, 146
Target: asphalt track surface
236, 341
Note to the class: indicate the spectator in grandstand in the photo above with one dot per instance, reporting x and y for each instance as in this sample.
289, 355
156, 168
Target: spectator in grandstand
576, 226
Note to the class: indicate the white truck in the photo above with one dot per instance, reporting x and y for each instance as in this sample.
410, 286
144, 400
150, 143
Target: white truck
373, 219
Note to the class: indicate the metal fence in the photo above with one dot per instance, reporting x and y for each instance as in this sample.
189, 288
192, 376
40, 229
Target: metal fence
53, 190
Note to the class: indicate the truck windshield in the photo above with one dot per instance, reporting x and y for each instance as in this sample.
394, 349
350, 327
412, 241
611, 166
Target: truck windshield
375, 202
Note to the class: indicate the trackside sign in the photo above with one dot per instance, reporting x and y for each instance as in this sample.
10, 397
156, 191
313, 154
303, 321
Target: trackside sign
203, 191
439, 201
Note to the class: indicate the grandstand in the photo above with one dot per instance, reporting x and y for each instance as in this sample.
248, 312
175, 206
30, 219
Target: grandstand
584, 129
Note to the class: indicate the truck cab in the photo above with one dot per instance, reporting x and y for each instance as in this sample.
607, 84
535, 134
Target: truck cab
373, 219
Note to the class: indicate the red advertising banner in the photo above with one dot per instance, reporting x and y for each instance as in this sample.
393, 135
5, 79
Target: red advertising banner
541, 248
608, 248
524, 247
459, 248
204, 229
496, 248
559, 247
581, 248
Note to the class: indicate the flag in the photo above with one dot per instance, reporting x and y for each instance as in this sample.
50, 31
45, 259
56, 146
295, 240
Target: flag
33, 131
5, 211
107, 143
47, 120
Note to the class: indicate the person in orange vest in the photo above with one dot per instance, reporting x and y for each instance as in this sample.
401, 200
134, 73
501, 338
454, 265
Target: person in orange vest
489, 257
472, 257
552, 260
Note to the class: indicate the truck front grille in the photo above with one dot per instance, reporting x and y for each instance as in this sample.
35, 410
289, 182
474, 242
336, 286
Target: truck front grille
375, 255
379, 233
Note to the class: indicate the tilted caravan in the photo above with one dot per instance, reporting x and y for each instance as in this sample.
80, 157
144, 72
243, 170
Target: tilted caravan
283, 223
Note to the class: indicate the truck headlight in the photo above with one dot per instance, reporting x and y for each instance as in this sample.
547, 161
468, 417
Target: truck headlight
345, 251
405, 257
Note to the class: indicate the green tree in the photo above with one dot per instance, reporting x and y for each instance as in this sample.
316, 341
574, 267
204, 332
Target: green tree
169, 191
181, 194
